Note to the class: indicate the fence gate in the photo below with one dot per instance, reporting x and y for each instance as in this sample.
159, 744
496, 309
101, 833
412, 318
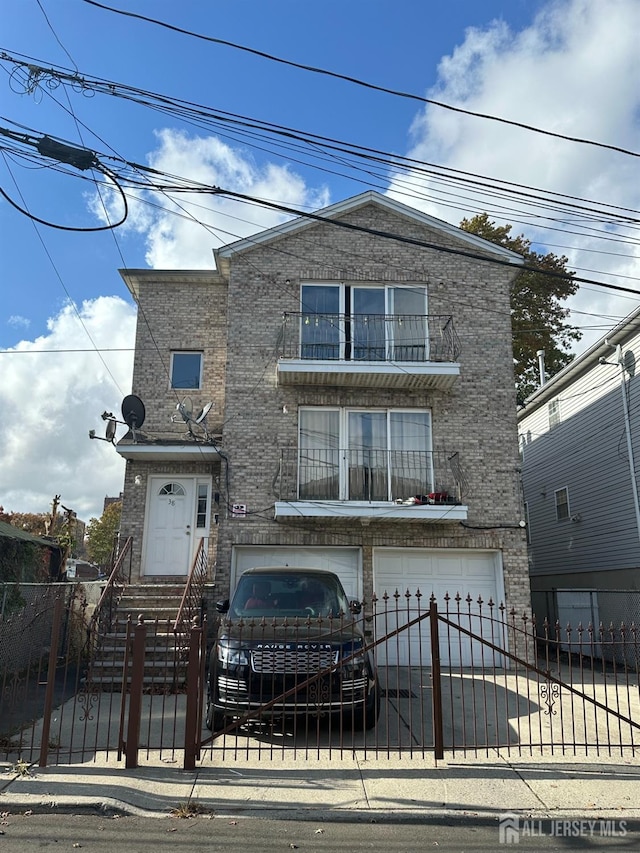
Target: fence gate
468, 678
457, 677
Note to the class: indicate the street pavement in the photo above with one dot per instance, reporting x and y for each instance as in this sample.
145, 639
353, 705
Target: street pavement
594, 788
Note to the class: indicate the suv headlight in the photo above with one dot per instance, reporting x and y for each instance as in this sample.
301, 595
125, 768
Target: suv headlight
231, 654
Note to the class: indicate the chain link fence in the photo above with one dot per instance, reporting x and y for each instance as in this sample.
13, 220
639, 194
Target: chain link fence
26, 615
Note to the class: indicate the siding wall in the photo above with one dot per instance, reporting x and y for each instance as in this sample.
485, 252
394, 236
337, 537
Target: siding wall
587, 453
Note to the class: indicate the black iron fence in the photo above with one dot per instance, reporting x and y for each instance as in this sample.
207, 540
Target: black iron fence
456, 677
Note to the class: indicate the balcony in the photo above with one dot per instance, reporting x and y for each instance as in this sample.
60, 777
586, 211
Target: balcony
374, 351
384, 485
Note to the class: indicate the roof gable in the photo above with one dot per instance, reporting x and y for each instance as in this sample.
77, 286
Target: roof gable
604, 347
335, 211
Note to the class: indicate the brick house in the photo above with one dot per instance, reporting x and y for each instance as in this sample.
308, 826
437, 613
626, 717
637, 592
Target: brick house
363, 414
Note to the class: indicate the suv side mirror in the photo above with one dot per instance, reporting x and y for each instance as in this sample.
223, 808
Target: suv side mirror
222, 606
355, 606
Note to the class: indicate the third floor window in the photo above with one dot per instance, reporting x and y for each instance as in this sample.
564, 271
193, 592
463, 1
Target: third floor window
364, 322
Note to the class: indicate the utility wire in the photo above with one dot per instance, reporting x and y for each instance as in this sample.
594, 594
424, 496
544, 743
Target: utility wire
213, 190
359, 82
39, 75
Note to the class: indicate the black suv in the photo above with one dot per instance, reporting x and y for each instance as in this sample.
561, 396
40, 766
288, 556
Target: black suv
290, 644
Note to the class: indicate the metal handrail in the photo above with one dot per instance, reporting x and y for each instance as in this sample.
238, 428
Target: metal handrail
369, 337
103, 615
369, 474
192, 594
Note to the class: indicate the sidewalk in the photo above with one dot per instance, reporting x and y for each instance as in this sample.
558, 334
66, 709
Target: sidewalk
591, 788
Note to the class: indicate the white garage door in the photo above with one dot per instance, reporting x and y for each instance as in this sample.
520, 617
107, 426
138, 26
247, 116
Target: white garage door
344, 562
474, 573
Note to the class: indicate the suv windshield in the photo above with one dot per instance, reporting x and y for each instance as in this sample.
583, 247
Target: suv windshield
295, 594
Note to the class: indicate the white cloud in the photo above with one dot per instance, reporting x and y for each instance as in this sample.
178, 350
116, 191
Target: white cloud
183, 234
18, 322
574, 71
50, 401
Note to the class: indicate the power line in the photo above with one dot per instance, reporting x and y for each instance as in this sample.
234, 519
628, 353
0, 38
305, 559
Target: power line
362, 83
38, 75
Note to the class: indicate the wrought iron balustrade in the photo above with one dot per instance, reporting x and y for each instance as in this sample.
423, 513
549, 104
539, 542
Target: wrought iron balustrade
369, 337
369, 475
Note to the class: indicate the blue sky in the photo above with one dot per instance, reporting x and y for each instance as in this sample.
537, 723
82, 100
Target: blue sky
569, 66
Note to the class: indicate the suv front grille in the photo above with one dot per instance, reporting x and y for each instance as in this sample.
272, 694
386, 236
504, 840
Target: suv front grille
286, 660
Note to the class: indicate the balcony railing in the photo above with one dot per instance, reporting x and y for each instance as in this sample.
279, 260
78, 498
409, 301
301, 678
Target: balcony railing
370, 475
369, 337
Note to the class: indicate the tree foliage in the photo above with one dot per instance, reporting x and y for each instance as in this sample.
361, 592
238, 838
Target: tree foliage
101, 533
31, 522
538, 317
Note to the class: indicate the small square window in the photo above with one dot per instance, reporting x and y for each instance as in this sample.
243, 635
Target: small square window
562, 504
186, 370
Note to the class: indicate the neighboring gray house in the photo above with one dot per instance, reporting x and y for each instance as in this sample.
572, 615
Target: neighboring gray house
580, 445
363, 412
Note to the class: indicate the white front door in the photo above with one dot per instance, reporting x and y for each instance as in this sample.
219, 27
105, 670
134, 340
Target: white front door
173, 525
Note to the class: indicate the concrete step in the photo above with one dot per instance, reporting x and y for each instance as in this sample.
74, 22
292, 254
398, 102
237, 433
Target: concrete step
165, 653
113, 684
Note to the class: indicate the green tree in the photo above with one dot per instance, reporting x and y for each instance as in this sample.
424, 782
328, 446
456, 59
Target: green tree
101, 534
538, 317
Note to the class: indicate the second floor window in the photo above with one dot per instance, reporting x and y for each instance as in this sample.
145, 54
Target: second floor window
357, 455
562, 504
186, 370
364, 322
554, 413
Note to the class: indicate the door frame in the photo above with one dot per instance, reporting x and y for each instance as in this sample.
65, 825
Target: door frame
197, 533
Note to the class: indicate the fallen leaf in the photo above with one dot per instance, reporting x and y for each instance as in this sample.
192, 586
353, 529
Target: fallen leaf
172, 829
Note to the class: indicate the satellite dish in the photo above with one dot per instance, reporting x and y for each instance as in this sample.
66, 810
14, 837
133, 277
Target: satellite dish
202, 414
186, 409
133, 412
111, 430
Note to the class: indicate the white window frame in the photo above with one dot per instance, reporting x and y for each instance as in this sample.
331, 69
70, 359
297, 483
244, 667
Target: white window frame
389, 289
343, 439
554, 413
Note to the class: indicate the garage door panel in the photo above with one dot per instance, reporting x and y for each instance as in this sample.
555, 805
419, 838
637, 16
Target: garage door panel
345, 562
441, 573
